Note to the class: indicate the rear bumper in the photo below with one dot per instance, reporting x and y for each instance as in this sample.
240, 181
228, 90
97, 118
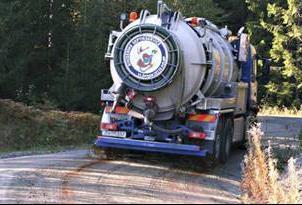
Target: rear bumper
111, 142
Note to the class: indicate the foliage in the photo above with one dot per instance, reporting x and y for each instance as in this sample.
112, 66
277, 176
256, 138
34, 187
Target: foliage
52, 51
236, 13
23, 127
55, 47
276, 28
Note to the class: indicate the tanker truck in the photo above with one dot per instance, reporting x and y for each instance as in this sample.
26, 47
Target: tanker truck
181, 86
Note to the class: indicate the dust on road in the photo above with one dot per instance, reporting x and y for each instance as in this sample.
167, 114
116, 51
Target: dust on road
74, 177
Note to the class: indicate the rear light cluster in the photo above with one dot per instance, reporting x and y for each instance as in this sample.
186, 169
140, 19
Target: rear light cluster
109, 126
197, 135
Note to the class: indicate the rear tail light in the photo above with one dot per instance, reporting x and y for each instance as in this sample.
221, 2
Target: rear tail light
109, 126
197, 135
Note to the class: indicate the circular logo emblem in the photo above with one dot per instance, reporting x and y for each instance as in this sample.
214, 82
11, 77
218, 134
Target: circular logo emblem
146, 56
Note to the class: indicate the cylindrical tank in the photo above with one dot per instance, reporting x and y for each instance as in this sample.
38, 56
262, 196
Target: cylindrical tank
171, 61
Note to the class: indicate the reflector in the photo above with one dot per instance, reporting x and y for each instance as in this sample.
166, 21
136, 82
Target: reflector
203, 118
197, 135
109, 126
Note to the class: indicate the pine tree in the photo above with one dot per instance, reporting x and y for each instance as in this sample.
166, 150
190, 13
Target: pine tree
275, 28
53, 50
286, 51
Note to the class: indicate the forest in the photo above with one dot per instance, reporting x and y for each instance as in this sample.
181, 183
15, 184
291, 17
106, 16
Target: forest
52, 51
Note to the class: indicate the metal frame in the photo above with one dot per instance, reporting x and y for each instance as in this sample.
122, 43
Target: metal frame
216, 103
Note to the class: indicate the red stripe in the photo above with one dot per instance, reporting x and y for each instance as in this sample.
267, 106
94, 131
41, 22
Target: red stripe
203, 118
118, 109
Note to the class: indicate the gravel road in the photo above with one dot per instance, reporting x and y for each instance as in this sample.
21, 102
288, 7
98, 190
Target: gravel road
74, 177
276, 126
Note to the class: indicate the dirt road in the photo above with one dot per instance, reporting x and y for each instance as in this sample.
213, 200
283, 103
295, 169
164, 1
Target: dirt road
74, 177
277, 126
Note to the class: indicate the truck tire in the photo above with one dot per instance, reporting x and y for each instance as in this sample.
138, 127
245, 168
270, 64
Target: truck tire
227, 140
218, 138
223, 139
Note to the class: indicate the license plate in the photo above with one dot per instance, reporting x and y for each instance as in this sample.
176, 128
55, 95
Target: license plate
119, 117
119, 134
148, 138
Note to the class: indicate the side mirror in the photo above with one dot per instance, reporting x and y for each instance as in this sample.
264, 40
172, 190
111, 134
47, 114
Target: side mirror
244, 48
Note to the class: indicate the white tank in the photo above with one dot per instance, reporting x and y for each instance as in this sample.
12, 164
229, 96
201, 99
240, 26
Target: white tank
165, 57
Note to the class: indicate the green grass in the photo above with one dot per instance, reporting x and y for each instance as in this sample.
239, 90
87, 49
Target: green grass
28, 128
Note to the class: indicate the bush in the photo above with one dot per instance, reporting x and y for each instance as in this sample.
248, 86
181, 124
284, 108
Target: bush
25, 127
261, 181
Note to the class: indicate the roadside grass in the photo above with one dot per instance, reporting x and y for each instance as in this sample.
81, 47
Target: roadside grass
12, 153
28, 128
277, 111
43, 148
262, 182
283, 148
283, 154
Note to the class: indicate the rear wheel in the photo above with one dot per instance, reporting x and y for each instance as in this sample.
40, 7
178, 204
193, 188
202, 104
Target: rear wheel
227, 140
223, 139
218, 139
